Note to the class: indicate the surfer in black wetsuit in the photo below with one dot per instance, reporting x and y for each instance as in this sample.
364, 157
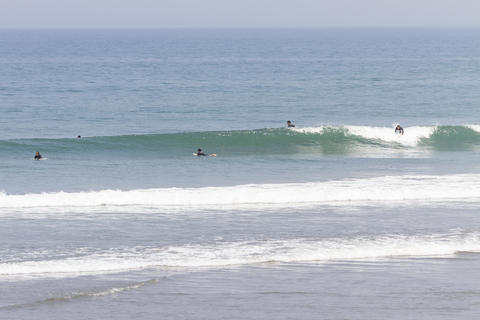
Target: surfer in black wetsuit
201, 153
398, 129
38, 156
290, 124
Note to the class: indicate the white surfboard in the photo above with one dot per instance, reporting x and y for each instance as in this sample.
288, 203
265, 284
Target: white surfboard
210, 155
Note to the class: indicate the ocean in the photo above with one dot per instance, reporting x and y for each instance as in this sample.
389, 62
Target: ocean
336, 218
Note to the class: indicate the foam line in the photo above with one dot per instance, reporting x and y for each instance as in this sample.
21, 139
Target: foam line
379, 189
245, 253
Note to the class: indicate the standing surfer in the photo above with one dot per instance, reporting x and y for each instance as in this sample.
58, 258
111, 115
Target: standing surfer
398, 129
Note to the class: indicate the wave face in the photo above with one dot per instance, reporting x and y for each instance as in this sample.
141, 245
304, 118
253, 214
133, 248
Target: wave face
322, 140
340, 192
244, 253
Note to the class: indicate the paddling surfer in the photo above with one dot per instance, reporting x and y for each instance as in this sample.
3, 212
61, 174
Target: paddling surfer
201, 153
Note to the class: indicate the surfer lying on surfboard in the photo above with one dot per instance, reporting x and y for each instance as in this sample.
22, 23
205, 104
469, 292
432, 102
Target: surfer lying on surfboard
201, 153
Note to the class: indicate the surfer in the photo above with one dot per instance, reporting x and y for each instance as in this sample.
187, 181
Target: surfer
201, 153
79, 137
290, 124
398, 129
38, 156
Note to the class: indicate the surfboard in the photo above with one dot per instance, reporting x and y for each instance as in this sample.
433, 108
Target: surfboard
210, 155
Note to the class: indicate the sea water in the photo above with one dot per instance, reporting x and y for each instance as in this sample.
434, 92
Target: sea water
336, 218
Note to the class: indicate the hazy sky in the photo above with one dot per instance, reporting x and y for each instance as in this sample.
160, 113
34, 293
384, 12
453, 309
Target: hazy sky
237, 13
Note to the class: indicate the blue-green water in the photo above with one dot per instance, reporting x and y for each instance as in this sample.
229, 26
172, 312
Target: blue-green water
283, 222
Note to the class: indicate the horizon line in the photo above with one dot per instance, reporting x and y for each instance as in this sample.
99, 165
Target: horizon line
241, 28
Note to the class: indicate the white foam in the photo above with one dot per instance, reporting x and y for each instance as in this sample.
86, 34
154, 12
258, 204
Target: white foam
245, 253
474, 127
411, 138
317, 130
378, 189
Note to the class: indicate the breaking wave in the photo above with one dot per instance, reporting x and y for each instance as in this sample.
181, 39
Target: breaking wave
323, 139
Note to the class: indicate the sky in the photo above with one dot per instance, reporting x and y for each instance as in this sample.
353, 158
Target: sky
238, 13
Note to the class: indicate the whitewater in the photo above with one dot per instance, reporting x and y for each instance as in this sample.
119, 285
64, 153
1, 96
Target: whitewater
341, 192
246, 253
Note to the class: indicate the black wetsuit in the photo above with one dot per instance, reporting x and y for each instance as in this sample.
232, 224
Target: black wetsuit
399, 130
37, 157
201, 154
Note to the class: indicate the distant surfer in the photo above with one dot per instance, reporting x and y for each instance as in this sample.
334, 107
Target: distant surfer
38, 156
398, 129
290, 124
201, 153
79, 137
